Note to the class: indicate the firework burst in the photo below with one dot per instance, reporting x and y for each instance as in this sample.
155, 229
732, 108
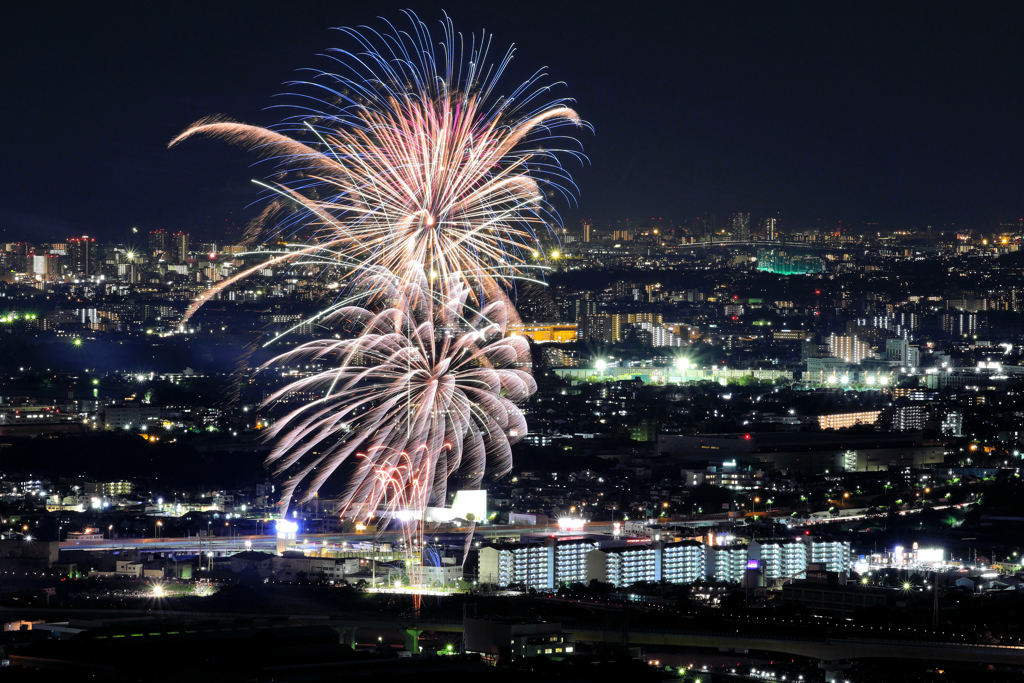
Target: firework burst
436, 382
420, 193
407, 156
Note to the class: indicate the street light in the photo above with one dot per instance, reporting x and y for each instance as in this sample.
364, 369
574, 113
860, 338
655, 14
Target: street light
158, 525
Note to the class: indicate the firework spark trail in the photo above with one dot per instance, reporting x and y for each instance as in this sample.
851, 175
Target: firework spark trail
413, 160
434, 380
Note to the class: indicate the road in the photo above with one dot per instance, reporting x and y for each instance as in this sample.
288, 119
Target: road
223, 544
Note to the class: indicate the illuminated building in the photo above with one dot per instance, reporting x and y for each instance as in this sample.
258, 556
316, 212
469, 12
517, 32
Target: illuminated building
727, 563
131, 414
571, 561
849, 348
781, 263
840, 420
834, 554
181, 246
618, 320
542, 333
727, 476
543, 565
780, 558
624, 566
960, 324
109, 489
82, 255
789, 335
530, 565
900, 351
823, 369
741, 226
157, 242
952, 423
683, 562
909, 418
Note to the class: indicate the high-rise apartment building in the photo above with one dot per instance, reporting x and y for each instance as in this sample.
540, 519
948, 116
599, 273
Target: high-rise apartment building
961, 324
181, 246
82, 256
849, 348
741, 226
727, 563
911, 418
835, 555
683, 562
157, 242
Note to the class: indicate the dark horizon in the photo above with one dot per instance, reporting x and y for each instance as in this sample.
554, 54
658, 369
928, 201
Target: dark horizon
905, 116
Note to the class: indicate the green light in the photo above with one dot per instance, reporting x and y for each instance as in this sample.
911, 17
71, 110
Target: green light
95, 381
77, 342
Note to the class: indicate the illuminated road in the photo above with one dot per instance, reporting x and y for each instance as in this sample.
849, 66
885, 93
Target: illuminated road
222, 544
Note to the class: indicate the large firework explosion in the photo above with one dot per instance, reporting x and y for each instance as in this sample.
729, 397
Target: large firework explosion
420, 193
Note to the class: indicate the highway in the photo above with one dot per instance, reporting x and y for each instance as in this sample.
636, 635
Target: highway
223, 544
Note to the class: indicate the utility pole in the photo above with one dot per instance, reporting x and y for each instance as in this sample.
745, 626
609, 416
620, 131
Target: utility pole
935, 600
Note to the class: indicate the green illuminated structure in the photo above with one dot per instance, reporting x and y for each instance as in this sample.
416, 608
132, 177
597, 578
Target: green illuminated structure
781, 263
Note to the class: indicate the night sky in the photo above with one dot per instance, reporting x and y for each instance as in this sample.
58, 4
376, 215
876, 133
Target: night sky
901, 113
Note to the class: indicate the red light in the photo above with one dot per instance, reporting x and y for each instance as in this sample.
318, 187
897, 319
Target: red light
734, 297
817, 291
746, 436
807, 532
